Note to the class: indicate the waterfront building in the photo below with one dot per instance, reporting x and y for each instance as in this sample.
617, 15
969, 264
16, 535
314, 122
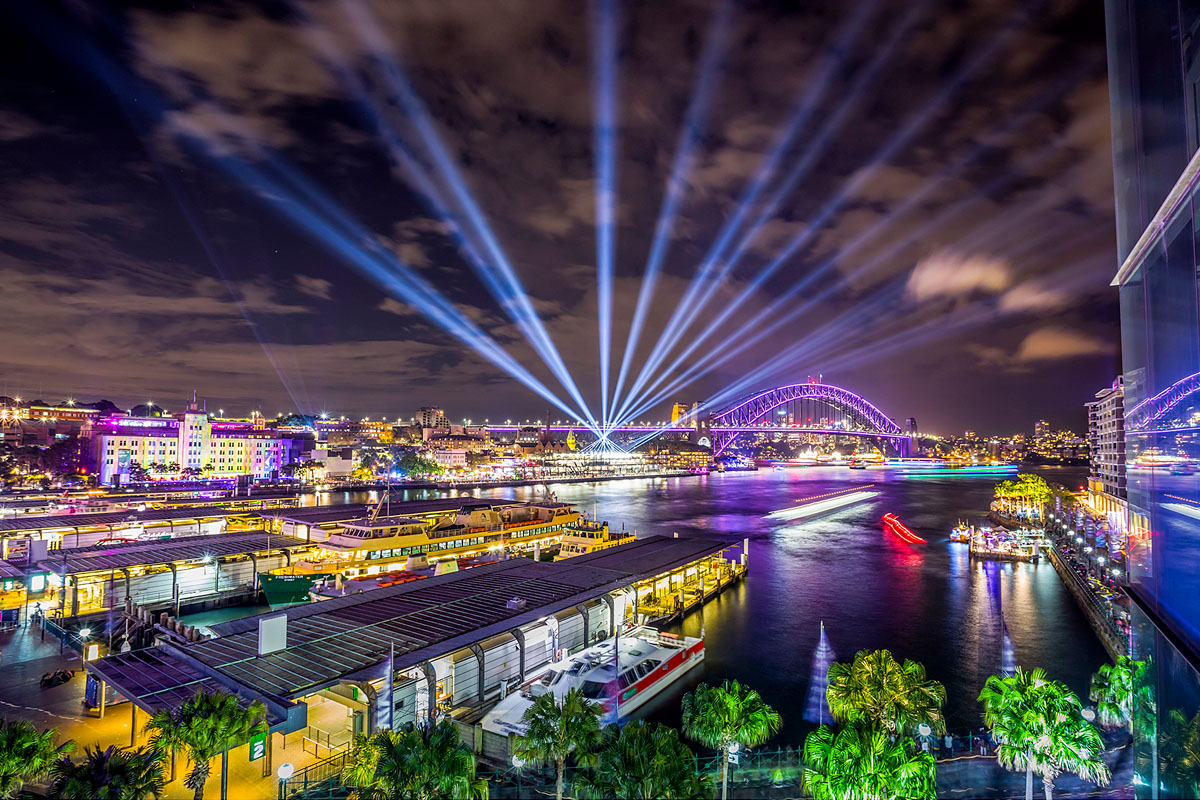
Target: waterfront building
1153, 68
63, 413
191, 439
1106, 439
449, 645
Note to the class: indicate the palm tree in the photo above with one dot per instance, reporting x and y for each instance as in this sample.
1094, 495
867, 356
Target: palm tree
414, 763
554, 730
1181, 752
1112, 691
642, 761
878, 691
721, 716
26, 754
110, 774
205, 726
1040, 728
866, 763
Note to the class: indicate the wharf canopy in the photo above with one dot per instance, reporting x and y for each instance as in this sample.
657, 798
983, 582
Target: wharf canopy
159, 574
450, 640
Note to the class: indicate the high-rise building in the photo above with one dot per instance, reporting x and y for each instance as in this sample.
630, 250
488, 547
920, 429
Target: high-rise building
1041, 430
1154, 86
431, 417
1106, 438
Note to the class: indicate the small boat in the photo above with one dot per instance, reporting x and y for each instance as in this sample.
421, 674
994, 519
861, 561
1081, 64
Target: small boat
856, 465
650, 661
282, 591
961, 533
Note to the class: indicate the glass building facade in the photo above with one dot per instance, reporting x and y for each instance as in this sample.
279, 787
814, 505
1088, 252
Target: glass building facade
1154, 79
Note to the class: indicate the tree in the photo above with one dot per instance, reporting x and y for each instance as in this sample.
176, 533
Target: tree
203, 727
556, 730
1181, 753
116, 773
720, 716
1040, 728
642, 761
884, 694
866, 763
26, 754
1112, 691
415, 763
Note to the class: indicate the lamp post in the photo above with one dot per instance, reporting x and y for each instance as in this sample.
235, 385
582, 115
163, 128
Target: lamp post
285, 771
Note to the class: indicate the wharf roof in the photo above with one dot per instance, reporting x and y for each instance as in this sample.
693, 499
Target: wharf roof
30, 503
349, 638
333, 639
163, 680
8, 571
164, 551
61, 521
318, 514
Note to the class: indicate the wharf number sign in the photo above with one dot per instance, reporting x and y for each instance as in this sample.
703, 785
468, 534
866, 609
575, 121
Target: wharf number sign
258, 746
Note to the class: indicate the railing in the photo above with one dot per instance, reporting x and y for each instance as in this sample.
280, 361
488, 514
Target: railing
319, 781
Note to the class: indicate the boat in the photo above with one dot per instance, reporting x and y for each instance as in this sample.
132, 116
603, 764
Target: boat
650, 662
282, 591
381, 544
588, 537
856, 465
961, 533
893, 524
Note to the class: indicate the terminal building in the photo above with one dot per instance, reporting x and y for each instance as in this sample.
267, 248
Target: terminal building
449, 645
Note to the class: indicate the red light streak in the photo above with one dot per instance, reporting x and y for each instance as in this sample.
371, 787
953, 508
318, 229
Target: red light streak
897, 527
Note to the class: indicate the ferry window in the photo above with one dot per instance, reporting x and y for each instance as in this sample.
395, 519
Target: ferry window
593, 689
651, 664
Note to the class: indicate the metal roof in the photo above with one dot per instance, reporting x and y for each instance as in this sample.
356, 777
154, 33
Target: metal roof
160, 680
315, 515
164, 551
67, 521
348, 638
332, 639
8, 570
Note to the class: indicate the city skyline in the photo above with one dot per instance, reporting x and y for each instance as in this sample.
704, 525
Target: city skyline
153, 240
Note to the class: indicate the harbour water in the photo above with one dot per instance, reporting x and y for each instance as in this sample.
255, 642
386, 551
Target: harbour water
928, 602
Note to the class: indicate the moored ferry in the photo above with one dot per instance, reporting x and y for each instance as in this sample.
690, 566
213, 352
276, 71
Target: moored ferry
588, 537
961, 532
377, 544
649, 662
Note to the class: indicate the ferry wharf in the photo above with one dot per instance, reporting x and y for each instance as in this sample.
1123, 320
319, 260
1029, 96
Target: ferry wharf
446, 646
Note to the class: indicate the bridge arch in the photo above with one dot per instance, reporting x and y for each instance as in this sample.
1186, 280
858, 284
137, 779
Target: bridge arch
747, 412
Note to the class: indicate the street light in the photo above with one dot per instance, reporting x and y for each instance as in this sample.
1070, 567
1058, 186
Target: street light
285, 771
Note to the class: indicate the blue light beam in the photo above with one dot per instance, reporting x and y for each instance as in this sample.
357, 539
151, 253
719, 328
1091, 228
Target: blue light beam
676, 182
604, 99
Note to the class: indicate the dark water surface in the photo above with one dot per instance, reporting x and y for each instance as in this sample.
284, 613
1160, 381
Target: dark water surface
925, 602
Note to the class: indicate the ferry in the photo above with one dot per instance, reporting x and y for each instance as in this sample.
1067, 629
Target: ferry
380, 544
650, 661
808, 506
589, 537
961, 533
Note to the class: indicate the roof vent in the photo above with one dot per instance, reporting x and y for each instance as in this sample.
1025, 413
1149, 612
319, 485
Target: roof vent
516, 604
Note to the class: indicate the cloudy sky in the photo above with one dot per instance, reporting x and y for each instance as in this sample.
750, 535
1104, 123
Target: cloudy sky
323, 205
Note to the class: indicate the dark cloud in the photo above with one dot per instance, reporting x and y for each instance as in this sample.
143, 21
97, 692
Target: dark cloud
971, 176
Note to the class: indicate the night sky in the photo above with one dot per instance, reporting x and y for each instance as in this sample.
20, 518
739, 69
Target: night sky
209, 196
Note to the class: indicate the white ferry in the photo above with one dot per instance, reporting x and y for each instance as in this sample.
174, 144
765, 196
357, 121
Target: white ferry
588, 537
650, 662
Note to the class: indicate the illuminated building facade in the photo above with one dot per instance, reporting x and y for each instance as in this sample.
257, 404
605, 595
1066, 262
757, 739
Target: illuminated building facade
1106, 438
187, 440
1154, 85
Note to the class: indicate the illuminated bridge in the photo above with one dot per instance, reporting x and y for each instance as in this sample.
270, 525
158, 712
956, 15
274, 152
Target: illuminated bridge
816, 408
802, 408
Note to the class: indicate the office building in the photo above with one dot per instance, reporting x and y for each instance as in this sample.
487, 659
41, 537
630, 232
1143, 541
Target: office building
1154, 68
431, 417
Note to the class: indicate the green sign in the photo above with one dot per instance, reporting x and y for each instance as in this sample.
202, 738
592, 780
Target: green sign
258, 746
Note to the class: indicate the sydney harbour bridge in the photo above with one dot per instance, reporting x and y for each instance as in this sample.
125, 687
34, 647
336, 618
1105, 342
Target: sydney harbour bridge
810, 408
